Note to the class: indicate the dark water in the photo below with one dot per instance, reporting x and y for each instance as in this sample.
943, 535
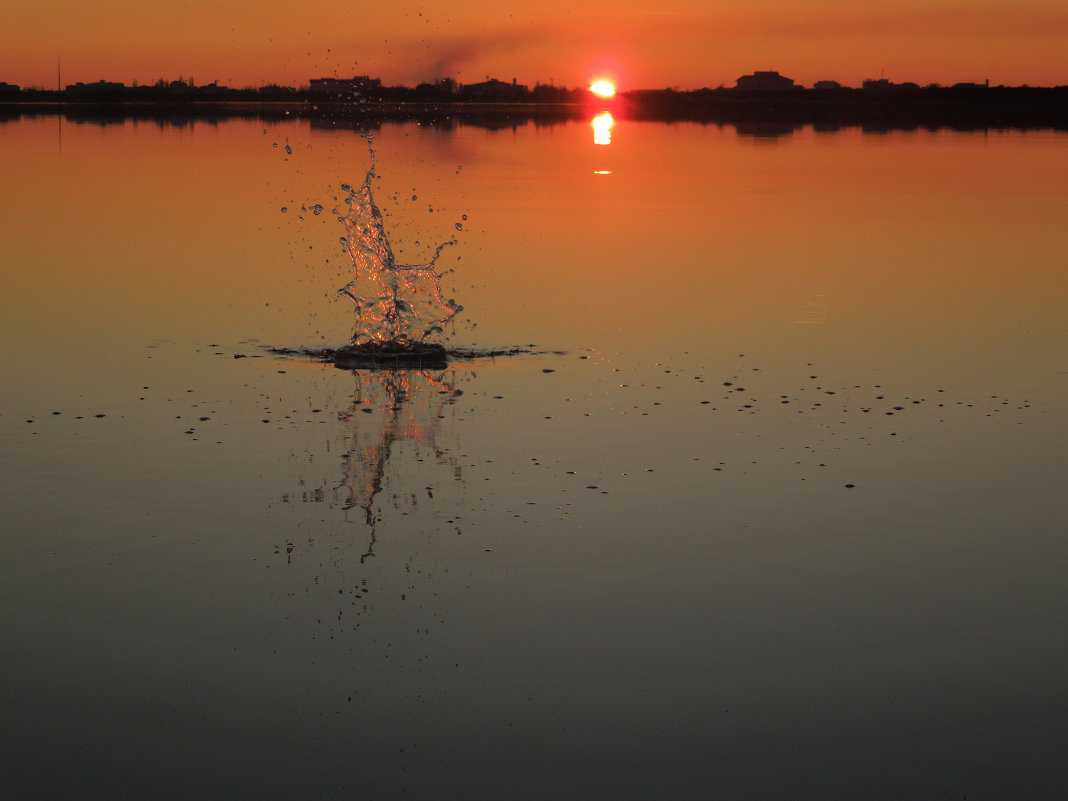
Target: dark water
770, 505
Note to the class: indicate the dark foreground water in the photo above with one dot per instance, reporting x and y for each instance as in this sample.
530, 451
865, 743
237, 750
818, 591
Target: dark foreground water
773, 507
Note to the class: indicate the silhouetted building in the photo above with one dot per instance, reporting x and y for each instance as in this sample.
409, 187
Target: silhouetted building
9, 89
344, 88
883, 85
872, 84
495, 90
95, 90
767, 81
826, 85
213, 91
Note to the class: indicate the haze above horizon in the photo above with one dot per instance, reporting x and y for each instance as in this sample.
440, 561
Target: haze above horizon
684, 44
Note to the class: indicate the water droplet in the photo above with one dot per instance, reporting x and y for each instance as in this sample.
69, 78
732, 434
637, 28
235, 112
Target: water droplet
459, 227
285, 209
289, 150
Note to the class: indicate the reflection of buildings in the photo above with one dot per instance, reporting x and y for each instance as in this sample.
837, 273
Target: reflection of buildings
388, 407
768, 81
765, 130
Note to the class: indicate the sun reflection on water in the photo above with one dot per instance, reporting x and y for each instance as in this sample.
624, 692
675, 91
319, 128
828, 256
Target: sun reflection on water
602, 128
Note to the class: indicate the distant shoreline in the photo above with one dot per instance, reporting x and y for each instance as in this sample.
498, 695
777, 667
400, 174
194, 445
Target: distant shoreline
941, 107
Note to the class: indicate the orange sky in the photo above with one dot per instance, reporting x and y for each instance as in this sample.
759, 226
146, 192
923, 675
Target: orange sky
681, 43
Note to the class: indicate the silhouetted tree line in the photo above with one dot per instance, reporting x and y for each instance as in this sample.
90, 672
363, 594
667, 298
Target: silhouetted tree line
360, 90
162, 91
877, 103
896, 106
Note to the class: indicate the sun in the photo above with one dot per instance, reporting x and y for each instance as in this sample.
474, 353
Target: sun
602, 88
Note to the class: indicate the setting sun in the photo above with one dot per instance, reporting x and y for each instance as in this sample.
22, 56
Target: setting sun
602, 88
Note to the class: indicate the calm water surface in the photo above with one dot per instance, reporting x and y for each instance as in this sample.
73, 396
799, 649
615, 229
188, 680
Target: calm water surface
774, 509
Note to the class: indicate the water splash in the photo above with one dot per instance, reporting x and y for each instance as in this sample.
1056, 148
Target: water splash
399, 306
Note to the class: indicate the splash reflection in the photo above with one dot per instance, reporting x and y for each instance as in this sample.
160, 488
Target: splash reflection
389, 407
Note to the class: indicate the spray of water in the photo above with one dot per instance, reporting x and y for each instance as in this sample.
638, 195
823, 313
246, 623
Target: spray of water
396, 305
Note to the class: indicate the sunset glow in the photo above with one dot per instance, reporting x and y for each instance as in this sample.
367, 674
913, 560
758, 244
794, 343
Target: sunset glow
602, 88
242, 43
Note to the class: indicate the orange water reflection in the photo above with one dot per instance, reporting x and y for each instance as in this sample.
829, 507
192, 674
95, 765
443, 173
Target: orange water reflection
923, 243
